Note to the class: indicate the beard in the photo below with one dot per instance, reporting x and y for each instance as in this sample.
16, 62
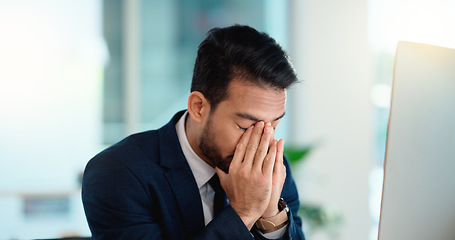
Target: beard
211, 151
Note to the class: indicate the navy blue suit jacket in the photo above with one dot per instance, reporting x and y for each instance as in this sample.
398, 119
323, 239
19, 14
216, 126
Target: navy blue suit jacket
143, 188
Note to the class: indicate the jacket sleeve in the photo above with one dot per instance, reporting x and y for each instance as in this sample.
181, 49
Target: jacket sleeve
115, 205
118, 206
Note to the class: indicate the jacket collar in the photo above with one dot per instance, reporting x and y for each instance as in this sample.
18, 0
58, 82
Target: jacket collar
171, 155
180, 177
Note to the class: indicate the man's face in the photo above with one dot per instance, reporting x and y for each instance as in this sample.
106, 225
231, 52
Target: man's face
245, 105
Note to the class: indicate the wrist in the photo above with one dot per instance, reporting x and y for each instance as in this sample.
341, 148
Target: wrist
248, 221
270, 213
273, 223
273, 208
246, 216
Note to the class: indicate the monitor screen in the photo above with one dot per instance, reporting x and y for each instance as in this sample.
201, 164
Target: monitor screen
418, 200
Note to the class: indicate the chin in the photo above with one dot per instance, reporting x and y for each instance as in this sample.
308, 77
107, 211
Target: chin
223, 164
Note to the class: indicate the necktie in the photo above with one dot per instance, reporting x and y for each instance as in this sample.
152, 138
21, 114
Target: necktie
220, 196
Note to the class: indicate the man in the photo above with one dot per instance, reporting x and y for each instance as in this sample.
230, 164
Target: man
161, 184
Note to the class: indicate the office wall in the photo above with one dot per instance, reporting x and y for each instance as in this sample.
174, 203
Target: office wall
331, 109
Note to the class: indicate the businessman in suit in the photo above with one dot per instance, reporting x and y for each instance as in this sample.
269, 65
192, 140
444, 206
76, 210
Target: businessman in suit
214, 171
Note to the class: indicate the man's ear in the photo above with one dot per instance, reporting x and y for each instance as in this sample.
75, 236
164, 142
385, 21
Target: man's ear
198, 107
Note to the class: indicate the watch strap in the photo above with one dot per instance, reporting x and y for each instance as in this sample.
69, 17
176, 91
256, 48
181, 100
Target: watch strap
271, 224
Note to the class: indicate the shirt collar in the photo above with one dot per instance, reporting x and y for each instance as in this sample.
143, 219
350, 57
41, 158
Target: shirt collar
202, 171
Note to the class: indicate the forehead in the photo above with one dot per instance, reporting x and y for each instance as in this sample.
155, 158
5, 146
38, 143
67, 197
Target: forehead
263, 103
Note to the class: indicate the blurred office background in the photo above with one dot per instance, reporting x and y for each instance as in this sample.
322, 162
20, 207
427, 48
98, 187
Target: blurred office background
77, 76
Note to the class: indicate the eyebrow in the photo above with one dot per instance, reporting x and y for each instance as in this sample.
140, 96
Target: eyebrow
255, 119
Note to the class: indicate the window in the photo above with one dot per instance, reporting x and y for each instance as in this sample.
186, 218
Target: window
152, 48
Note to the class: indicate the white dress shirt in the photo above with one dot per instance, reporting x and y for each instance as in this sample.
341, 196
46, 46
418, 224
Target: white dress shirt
203, 172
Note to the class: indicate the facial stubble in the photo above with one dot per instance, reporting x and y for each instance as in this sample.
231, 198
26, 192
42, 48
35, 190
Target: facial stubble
210, 149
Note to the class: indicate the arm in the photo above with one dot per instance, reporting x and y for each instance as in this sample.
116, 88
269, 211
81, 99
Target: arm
119, 205
115, 203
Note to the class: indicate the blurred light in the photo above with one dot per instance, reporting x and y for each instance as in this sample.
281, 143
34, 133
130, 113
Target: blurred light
422, 21
381, 95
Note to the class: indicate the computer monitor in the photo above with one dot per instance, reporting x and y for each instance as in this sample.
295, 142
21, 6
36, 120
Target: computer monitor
418, 199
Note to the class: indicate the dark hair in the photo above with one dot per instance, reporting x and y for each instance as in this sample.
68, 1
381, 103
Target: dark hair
239, 52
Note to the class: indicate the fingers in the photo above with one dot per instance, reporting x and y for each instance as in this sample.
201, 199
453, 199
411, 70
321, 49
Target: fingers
279, 156
263, 147
253, 144
253, 149
269, 161
280, 148
240, 149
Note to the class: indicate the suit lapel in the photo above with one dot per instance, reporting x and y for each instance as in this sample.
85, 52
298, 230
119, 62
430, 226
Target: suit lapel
187, 195
181, 179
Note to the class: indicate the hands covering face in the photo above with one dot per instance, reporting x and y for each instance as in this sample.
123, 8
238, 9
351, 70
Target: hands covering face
256, 174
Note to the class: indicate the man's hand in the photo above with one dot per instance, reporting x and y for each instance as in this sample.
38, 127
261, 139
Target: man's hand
279, 176
248, 185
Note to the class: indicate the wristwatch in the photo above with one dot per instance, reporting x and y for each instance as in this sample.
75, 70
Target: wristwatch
271, 224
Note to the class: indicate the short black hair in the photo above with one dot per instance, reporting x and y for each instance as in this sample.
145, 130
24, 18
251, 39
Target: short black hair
239, 52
